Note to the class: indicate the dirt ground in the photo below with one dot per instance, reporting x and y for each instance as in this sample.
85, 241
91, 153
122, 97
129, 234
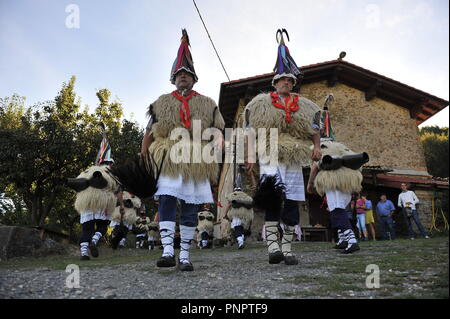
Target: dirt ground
407, 269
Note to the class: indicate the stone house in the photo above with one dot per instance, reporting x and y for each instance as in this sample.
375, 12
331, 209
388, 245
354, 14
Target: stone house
371, 113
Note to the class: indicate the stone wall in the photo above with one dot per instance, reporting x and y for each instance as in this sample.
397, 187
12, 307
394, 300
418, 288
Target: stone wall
424, 208
382, 129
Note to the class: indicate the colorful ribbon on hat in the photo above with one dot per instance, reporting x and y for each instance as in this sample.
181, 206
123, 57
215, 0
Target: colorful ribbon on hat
290, 104
104, 153
185, 113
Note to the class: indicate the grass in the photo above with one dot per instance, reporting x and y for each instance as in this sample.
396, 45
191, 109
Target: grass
408, 269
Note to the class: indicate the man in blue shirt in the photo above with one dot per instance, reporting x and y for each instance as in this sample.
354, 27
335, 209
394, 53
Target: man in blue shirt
385, 209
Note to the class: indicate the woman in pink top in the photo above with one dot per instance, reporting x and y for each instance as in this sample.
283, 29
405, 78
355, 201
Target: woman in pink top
361, 216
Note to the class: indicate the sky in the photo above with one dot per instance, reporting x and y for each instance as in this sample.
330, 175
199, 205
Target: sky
128, 47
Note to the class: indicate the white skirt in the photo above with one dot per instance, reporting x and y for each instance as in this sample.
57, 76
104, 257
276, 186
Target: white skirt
188, 190
236, 222
88, 216
291, 176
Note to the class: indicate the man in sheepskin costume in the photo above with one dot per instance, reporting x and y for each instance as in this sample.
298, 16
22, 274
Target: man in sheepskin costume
153, 234
99, 187
141, 229
281, 185
205, 228
95, 202
122, 223
337, 176
186, 178
97, 193
239, 212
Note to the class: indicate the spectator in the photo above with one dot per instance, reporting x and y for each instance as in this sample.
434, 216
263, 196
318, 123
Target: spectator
407, 201
370, 221
385, 210
361, 217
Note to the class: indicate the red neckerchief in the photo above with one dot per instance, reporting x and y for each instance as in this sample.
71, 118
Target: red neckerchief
185, 114
290, 104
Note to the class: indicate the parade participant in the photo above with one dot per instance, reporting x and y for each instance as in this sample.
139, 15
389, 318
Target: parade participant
205, 228
186, 178
297, 120
239, 212
123, 222
153, 234
95, 202
337, 176
141, 229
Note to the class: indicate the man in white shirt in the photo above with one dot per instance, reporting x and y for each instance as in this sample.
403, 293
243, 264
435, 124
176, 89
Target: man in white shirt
407, 200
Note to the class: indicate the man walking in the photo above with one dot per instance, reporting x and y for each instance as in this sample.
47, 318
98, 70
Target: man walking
187, 179
294, 116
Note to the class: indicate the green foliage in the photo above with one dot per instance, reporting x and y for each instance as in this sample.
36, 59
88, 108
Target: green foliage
11, 111
436, 148
44, 144
434, 130
12, 211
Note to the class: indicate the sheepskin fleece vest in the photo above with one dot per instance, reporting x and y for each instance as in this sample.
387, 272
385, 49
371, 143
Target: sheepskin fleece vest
343, 179
205, 225
153, 233
97, 200
294, 137
246, 215
167, 113
130, 216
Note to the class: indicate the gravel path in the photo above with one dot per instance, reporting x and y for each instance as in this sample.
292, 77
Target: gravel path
219, 273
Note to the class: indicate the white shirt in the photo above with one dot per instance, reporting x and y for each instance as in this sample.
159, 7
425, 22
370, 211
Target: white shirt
407, 197
337, 199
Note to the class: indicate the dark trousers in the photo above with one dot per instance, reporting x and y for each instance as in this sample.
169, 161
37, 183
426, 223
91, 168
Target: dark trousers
205, 236
238, 231
416, 219
91, 227
339, 220
387, 226
168, 211
289, 215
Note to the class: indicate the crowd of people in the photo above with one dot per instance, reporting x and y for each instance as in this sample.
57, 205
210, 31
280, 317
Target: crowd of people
365, 215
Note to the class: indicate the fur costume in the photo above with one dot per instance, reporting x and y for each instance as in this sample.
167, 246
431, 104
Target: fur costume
138, 175
153, 230
343, 179
241, 207
167, 117
205, 222
141, 225
129, 217
294, 138
93, 199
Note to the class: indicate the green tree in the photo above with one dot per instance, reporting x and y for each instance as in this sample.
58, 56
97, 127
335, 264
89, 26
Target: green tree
43, 145
37, 155
434, 130
436, 148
